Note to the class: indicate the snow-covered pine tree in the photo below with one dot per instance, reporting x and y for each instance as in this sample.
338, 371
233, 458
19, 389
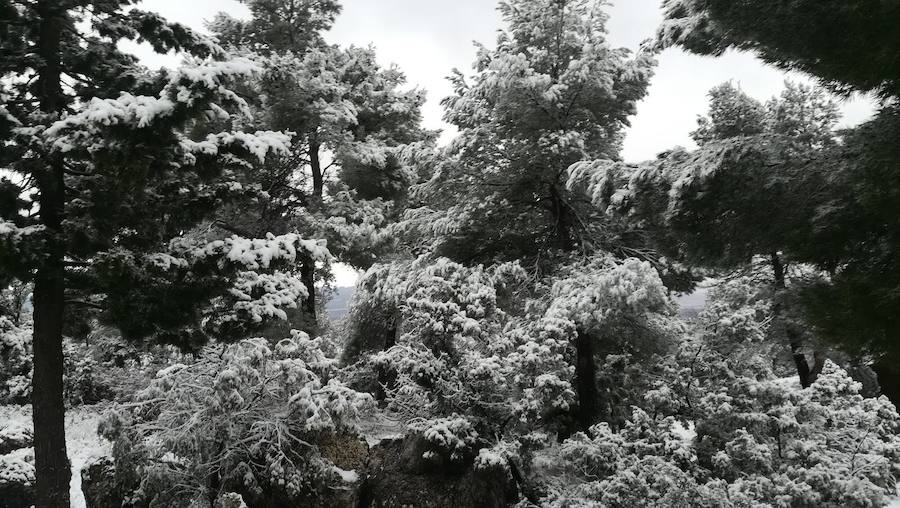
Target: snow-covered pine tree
352, 120
854, 238
553, 92
117, 164
748, 191
277, 25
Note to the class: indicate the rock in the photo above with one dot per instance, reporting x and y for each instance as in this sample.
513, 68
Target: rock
101, 486
15, 437
231, 500
396, 476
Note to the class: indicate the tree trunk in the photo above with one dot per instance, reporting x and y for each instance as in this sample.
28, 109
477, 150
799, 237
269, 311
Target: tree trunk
307, 276
316, 167
803, 371
561, 220
585, 381
51, 464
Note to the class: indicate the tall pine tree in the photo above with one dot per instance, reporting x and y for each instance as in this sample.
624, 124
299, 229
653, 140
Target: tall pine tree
120, 166
553, 92
352, 120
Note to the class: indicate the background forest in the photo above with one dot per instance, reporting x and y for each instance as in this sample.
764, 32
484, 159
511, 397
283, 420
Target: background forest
168, 238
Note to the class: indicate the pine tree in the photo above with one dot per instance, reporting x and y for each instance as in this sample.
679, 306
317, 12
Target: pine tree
850, 47
553, 92
277, 26
351, 120
747, 192
120, 165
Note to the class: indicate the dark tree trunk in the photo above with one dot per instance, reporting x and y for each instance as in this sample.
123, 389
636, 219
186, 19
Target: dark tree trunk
562, 220
315, 165
803, 371
888, 379
308, 269
307, 275
51, 464
586, 381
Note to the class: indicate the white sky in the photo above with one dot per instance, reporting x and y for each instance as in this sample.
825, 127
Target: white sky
428, 38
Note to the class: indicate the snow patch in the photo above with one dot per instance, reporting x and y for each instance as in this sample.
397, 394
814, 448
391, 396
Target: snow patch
83, 445
347, 476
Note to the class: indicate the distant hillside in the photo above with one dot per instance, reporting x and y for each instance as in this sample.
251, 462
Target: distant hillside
339, 304
691, 304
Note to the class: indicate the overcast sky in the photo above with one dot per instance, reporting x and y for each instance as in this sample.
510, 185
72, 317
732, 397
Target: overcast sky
428, 38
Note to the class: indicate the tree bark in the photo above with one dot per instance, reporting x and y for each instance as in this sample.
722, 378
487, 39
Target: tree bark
307, 276
561, 220
51, 463
307, 271
803, 371
52, 472
315, 165
585, 381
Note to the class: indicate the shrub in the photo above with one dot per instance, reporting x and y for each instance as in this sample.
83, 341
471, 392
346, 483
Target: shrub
243, 418
757, 443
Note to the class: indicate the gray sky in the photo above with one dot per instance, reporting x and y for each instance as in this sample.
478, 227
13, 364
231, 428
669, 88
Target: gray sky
428, 38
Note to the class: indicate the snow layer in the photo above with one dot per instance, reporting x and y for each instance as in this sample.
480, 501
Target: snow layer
82, 442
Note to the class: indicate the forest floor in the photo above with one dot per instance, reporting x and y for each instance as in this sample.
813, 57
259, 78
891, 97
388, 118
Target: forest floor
82, 442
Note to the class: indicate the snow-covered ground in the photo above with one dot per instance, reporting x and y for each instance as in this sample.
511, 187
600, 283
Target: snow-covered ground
895, 501
82, 442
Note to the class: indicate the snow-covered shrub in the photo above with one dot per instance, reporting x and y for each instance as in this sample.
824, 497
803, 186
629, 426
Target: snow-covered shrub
727, 340
757, 443
624, 321
243, 418
483, 358
647, 462
452, 438
737, 311
826, 445
15, 436
87, 380
15, 362
17, 478
601, 291
460, 351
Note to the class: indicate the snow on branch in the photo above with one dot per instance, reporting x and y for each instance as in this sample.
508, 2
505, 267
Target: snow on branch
607, 290
197, 84
259, 253
262, 295
259, 144
20, 245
